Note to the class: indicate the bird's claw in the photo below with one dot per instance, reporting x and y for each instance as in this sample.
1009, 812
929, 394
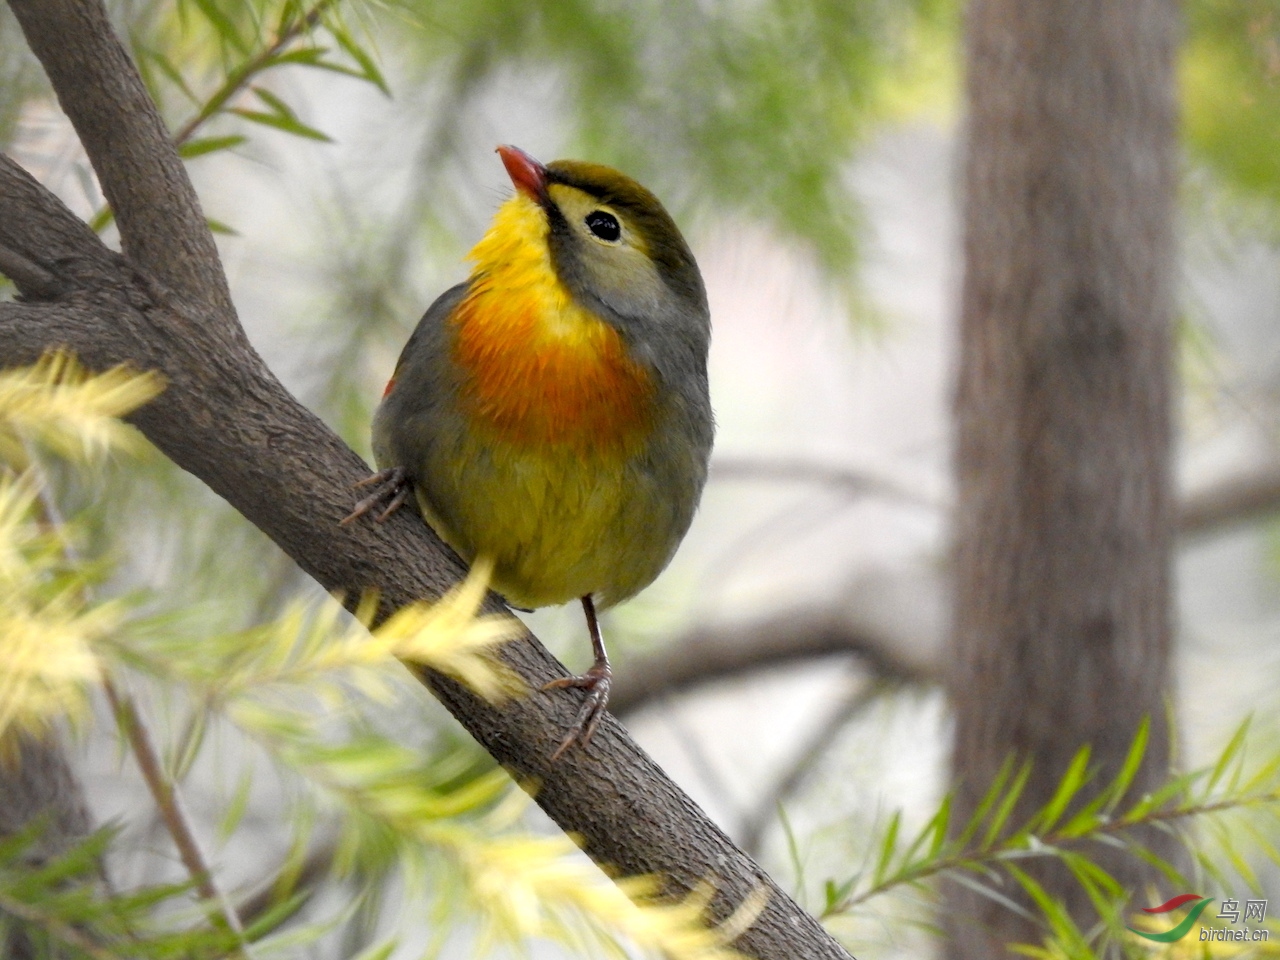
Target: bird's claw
597, 681
392, 488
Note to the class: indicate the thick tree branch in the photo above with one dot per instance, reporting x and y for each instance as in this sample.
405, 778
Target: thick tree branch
226, 419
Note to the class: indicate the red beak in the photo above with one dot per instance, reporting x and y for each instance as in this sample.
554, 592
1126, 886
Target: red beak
529, 176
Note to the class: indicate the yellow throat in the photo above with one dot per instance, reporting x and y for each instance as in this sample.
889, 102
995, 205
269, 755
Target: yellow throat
538, 367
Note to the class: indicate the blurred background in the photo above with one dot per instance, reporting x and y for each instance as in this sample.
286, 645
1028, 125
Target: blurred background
784, 669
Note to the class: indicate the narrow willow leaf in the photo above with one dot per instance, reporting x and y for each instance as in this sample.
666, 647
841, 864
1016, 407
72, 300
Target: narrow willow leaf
1069, 787
102, 219
308, 56
199, 146
188, 747
237, 807
287, 124
934, 833
1266, 779
1129, 769
368, 67
1006, 805
222, 25
887, 849
1102, 888
1230, 755
378, 951
967, 880
988, 801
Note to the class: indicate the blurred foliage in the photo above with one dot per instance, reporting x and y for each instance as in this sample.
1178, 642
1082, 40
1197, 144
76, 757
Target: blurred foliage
1223, 813
749, 109
1231, 92
46, 627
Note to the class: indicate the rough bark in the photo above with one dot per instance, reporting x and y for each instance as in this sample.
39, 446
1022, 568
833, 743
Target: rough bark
1064, 519
224, 417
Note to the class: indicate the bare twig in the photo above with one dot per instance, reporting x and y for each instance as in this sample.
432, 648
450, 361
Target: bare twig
833, 629
861, 694
855, 482
169, 803
1230, 502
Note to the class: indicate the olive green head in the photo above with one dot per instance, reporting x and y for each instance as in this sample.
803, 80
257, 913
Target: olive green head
617, 250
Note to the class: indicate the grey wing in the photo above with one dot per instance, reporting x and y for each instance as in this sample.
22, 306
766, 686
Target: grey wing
420, 389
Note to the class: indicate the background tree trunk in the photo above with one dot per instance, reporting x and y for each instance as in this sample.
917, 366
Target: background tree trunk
1064, 520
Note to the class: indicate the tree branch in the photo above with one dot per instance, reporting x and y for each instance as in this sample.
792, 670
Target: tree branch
226, 419
849, 625
708, 654
861, 694
1230, 502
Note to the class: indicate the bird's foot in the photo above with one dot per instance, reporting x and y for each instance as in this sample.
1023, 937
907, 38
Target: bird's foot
390, 487
596, 682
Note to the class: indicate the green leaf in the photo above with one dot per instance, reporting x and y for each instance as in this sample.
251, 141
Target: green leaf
887, 848
222, 24
188, 746
378, 951
934, 833
275, 103
1006, 805
1068, 787
235, 810
102, 219
287, 124
308, 56
171, 73
202, 145
1229, 756
987, 802
217, 226
369, 69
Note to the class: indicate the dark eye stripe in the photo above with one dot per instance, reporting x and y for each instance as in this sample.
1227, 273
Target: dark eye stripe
604, 225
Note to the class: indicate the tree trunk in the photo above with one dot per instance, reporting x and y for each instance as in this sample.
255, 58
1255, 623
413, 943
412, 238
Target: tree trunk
1063, 426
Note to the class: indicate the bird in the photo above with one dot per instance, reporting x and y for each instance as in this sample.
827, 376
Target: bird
552, 412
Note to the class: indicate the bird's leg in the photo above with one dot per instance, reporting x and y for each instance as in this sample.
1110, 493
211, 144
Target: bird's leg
595, 681
393, 487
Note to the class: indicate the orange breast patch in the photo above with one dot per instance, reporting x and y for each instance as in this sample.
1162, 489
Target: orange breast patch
542, 370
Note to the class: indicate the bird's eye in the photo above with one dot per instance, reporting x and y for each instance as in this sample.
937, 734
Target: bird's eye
604, 225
